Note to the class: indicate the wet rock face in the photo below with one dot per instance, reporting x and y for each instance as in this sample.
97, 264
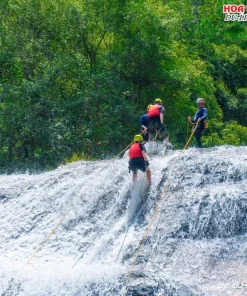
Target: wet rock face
213, 196
3, 197
141, 289
222, 218
152, 287
196, 244
12, 288
221, 172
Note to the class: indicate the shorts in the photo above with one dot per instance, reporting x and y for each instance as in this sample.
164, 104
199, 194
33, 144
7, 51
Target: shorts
154, 129
137, 164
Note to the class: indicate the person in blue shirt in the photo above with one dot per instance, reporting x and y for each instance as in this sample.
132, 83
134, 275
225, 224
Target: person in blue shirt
144, 122
200, 117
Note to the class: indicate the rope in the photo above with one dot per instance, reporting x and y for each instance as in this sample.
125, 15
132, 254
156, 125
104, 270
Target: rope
157, 238
157, 133
48, 236
87, 248
187, 134
128, 225
123, 242
64, 216
192, 133
123, 150
126, 147
156, 211
139, 195
54, 229
154, 139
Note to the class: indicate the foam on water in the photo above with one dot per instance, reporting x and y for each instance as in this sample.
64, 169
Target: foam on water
196, 246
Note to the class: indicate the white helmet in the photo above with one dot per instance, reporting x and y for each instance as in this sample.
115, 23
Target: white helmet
200, 100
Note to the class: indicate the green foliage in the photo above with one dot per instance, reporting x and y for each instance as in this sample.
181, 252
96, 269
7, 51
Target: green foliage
76, 75
80, 156
229, 133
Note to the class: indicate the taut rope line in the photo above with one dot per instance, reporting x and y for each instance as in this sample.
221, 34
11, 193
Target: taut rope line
48, 236
64, 216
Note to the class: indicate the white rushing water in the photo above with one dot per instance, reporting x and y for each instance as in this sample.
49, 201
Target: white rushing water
197, 245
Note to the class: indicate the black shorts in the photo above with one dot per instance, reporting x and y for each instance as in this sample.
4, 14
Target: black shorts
137, 164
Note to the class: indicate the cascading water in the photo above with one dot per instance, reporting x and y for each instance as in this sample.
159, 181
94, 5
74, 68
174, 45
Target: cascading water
196, 246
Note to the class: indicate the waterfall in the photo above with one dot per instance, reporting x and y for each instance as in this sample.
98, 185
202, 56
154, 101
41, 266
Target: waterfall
197, 245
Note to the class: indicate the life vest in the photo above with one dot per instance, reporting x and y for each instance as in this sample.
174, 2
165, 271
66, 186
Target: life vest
135, 151
154, 111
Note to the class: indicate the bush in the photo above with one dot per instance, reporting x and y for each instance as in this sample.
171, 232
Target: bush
229, 133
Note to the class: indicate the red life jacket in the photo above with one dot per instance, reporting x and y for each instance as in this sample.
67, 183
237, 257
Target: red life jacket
154, 111
135, 151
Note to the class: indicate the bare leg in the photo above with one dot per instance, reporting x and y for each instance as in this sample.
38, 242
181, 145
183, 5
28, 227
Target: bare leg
166, 139
148, 175
134, 176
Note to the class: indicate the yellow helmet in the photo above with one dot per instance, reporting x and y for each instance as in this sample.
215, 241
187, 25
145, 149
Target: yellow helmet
138, 138
158, 100
149, 106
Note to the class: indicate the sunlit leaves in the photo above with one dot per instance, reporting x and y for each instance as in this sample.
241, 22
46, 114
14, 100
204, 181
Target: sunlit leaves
75, 75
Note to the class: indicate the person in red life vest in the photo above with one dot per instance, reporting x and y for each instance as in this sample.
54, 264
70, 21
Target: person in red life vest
199, 120
156, 126
138, 158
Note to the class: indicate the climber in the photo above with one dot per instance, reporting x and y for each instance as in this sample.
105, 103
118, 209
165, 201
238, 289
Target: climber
156, 126
199, 119
138, 158
144, 122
